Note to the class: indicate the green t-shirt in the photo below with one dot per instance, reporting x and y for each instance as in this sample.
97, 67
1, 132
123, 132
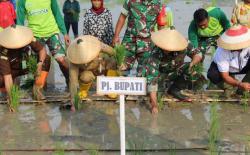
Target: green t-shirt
217, 16
44, 17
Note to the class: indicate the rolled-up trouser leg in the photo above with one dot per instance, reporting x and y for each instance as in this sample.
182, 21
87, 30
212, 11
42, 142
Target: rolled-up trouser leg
148, 66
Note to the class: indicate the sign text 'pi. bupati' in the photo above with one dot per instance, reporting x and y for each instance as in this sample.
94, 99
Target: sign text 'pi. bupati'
121, 85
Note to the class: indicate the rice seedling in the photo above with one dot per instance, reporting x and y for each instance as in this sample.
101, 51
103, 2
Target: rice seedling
32, 64
120, 52
214, 129
14, 98
160, 101
93, 152
172, 149
246, 96
93, 149
136, 147
77, 101
59, 150
32, 68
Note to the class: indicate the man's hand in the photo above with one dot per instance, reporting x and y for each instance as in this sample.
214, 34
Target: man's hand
116, 40
67, 40
245, 86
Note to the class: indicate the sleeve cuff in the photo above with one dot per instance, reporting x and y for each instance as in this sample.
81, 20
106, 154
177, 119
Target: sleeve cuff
124, 12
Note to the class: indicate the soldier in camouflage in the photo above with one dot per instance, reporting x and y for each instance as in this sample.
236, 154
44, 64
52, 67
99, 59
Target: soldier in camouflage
173, 48
174, 69
142, 16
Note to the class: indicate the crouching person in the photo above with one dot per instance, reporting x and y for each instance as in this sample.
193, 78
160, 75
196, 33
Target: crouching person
86, 62
174, 48
15, 44
232, 57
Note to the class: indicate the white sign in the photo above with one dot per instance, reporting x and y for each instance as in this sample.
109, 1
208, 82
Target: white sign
121, 85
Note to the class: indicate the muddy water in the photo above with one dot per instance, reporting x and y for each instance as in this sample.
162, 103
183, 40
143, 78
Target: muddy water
45, 127
96, 126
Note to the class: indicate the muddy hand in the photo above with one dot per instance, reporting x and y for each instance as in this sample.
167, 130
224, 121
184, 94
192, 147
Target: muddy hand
67, 40
245, 86
116, 40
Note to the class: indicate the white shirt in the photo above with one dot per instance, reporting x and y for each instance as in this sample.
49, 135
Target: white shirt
233, 62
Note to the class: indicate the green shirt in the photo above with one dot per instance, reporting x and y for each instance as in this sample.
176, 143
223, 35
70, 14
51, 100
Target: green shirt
214, 13
44, 17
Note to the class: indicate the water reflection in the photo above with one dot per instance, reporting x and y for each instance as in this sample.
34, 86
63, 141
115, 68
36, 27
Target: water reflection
26, 113
187, 113
55, 118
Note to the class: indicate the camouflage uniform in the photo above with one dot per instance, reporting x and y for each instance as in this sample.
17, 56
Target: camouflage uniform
142, 15
174, 69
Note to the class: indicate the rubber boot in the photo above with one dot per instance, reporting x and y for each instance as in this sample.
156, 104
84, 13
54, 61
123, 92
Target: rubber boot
38, 86
112, 73
175, 89
65, 72
84, 89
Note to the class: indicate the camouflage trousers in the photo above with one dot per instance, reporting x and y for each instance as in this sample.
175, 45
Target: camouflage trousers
142, 51
54, 44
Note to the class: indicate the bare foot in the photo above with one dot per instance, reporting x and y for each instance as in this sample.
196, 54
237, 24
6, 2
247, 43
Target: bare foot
73, 109
154, 110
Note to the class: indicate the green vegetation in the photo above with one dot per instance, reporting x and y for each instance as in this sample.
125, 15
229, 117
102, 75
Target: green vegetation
93, 149
59, 149
77, 101
93, 152
14, 98
32, 67
120, 52
32, 64
160, 101
214, 130
137, 147
172, 149
246, 96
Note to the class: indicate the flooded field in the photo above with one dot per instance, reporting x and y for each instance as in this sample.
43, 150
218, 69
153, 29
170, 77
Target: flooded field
43, 129
180, 128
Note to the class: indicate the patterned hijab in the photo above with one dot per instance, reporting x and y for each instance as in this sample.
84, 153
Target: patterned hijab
99, 10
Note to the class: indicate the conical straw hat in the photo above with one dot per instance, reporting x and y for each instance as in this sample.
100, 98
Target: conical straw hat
169, 40
83, 49
235, 38
14, 37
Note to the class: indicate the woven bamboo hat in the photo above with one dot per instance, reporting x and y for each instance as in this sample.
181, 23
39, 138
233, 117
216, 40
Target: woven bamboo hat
15, 36
235, 38
83, 49
169, 40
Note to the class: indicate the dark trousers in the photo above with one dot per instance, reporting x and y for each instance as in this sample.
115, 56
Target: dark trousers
214, 74
74, 26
